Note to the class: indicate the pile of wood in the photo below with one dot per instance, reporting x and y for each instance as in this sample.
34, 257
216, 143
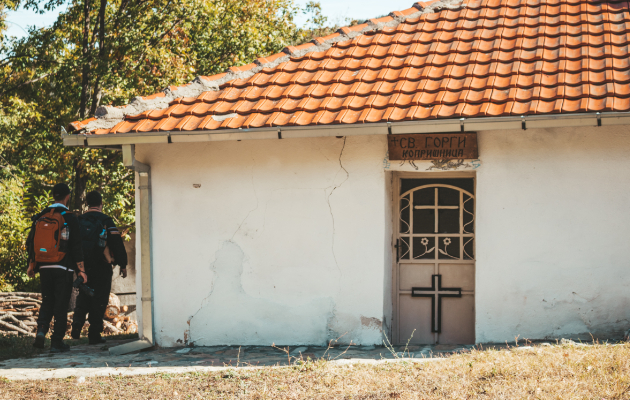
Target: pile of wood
18, 312
115, 321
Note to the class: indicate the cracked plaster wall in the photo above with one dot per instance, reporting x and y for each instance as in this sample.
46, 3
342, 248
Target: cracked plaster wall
552, 242
284, 242
248, 257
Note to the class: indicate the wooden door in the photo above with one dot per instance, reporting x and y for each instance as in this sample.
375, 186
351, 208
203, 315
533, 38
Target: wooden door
434, 277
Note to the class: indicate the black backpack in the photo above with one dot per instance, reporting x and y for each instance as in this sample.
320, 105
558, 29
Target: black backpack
93, 235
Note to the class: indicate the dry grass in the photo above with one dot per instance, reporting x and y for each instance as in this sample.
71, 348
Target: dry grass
557, 372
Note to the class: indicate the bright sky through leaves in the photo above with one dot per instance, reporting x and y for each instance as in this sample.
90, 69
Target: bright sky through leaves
335, 10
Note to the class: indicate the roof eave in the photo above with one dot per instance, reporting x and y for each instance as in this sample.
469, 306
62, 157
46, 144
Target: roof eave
380, 128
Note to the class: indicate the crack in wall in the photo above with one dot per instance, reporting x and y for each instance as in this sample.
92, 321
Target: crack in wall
108, 116
332, 216
255, 195
188, 333
229, 315
204, 302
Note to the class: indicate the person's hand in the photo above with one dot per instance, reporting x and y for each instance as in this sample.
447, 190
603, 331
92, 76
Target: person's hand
123, 272
30, 271
83, 275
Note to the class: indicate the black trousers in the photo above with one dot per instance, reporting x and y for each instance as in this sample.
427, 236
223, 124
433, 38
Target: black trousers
56, 287
101, 281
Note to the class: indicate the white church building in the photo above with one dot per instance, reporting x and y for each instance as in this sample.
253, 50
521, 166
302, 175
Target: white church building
459, 173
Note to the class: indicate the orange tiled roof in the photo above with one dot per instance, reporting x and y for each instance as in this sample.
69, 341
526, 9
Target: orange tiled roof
489, 58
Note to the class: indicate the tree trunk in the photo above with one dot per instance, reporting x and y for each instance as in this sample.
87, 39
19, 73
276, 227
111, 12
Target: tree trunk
80, 182
98, 93
101, 31
86, 55
96, 96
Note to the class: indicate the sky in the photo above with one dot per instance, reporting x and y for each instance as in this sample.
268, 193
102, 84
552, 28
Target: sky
19, 21
335, 10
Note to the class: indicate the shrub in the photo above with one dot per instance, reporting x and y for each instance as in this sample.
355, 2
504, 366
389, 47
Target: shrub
13, 230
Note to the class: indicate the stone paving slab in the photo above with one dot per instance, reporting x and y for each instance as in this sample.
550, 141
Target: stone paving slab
85, 360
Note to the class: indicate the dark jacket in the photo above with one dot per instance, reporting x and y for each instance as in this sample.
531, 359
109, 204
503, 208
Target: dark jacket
75, 248
97, 261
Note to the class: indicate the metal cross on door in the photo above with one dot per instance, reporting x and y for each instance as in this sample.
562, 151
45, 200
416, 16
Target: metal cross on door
436, 292
435, 266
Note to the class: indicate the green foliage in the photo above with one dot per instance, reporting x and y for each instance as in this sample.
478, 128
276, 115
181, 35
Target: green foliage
146, 46
5, 5
12, 228
235, 32
107, 52
318, 25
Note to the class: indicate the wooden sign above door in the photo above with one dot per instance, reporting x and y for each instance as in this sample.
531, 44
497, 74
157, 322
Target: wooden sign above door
433, 146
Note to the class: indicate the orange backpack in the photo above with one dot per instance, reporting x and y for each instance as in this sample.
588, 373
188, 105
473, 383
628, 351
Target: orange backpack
50, 239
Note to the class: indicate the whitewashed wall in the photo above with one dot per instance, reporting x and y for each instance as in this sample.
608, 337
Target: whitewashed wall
284, 244
285, 241
553, 215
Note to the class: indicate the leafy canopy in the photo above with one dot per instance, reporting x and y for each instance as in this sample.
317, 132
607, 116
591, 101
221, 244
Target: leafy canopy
106, 52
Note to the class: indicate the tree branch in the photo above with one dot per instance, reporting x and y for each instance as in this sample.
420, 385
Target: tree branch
25, 83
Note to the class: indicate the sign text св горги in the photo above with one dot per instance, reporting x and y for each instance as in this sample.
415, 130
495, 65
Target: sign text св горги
434, 146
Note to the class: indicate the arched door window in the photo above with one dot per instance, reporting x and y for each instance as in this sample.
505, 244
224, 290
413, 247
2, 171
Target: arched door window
436, 222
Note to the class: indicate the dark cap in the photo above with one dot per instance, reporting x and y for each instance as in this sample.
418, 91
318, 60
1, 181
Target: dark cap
60, 191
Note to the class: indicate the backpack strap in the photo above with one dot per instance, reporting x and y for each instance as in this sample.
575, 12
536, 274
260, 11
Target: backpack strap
37, 216
95, 218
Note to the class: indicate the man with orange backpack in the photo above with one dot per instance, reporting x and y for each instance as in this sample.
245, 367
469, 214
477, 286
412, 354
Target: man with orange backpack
55, 251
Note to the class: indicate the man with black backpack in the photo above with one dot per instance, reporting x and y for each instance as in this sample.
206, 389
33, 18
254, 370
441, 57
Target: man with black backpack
102, 247
55, 251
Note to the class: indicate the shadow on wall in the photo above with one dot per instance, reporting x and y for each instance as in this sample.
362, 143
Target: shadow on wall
125, 288
230, 316
128, 284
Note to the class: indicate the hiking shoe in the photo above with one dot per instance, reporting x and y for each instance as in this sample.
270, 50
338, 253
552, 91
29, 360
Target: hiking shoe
59, 347
39, 340
99, 340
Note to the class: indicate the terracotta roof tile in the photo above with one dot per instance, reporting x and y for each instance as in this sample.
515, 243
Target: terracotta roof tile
491, 58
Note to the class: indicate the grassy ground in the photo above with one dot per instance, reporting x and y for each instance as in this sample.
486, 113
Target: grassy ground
22, 346
556, 372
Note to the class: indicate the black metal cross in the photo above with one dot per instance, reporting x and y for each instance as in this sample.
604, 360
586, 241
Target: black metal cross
436, 292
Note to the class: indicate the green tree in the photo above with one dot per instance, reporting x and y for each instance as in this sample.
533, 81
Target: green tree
107, 52
318, 25
11, 240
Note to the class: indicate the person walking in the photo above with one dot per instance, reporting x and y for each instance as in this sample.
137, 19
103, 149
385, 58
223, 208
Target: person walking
103, 247
55, 251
